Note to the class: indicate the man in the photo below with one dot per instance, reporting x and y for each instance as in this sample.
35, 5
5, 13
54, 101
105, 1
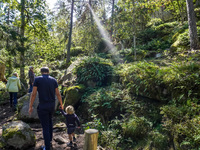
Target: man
31, 76
47, 87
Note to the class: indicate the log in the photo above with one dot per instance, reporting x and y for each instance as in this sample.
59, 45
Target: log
91, 138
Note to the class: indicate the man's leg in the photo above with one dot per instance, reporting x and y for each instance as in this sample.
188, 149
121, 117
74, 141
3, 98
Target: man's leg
44, 119
50, 128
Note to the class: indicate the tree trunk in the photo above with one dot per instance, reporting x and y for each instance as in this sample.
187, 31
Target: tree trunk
70, 33
112, 21
22, 74
7, 45
92, 21
134, 31
194, 42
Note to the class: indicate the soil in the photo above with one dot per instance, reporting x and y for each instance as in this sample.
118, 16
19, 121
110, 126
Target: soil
7, 115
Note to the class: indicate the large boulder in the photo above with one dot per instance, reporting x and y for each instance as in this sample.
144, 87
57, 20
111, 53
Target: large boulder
73, 94
23, 107
18, 135
69, 78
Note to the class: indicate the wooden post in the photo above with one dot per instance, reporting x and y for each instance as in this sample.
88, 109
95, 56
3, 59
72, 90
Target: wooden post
91, 138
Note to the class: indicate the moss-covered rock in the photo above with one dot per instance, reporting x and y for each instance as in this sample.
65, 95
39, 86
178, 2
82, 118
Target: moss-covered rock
74, 94
18, 135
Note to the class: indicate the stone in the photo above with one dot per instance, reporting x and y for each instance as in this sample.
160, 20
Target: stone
69, 77
18, 135
74, 94
23, 107
60, 140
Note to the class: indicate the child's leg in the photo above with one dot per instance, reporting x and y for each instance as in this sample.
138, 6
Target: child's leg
73, 135
70, 137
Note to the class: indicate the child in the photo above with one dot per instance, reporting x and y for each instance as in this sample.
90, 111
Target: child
71, 120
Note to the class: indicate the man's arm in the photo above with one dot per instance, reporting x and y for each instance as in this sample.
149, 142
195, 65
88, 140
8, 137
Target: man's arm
33, 95
59, 98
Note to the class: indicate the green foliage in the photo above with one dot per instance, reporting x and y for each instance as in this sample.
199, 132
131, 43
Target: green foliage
4, 96
94, 69
110, 139
183, 123
178, 81
95, 124
157, 36
75, 51
108, 102
128, 54
2, 86
136, 128
159, 141
154, 22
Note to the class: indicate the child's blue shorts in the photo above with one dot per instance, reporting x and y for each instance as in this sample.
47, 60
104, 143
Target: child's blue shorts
70, 130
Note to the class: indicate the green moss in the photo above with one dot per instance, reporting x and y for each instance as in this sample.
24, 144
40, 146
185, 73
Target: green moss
73, 94
80, 87
10, 132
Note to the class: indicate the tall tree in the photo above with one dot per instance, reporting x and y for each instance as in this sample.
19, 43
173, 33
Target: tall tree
194, 42
112, 19
70, 33
22, 74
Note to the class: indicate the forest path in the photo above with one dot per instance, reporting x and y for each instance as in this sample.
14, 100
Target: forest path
7, 115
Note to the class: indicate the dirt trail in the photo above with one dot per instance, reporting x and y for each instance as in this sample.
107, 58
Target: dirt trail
7, 115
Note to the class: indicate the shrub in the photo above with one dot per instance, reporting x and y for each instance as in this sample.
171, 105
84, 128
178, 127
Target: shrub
109, 139
107, 102
178, 81
136, 128
154, 22
159, 141
182, 123
75, 51
94, 69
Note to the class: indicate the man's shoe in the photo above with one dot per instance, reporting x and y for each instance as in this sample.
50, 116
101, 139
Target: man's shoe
42, 148
74, 139
70, 144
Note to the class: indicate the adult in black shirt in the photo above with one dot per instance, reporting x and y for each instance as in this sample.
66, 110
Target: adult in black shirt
47, 88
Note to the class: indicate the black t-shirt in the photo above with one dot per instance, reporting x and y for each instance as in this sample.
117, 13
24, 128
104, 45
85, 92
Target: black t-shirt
46, 86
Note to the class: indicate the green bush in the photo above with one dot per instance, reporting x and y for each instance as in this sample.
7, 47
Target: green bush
148, 35
75, 51
178, 81
109, 139
154, 22
107, 102
94, 69
129, 54
159, 141
136, 128
2, 86
183, 123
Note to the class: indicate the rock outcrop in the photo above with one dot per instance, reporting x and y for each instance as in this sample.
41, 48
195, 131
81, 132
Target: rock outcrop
23, 107
18, 135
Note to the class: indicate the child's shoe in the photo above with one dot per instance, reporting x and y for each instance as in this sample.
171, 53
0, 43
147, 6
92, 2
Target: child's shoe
70, 144
74, 139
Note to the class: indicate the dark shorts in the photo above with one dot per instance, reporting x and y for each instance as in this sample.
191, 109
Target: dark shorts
70, 130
